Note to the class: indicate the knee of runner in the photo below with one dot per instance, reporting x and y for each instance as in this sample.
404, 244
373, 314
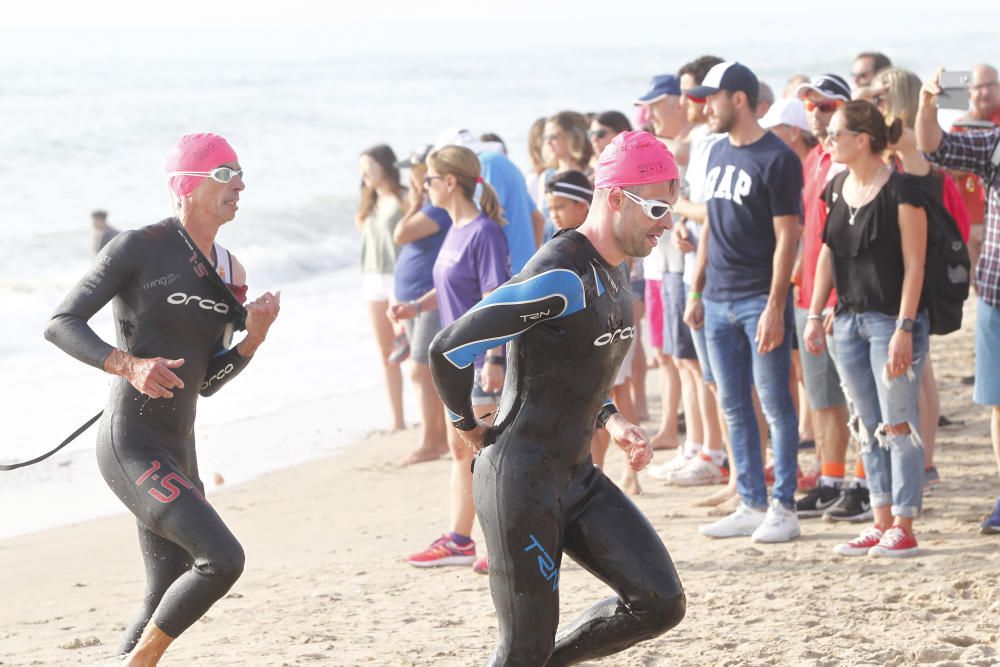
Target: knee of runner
661, 612
227, 566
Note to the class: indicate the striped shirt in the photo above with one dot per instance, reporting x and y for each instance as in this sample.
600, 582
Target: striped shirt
971, 152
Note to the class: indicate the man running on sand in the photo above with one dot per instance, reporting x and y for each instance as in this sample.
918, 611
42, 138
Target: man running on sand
568, 318
177, 296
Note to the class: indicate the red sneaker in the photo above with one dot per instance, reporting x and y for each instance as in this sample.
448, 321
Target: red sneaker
808, 481
860, 545
443, 551
482, 566
897, 542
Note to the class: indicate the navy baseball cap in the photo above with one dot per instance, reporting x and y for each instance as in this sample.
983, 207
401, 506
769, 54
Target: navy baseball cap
728, 75
660, 86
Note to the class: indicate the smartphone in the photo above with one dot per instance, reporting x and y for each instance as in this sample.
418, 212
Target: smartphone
954, 90
970, 124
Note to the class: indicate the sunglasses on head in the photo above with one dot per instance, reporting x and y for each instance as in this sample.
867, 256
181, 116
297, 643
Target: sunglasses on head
219, 174
824, 107
651, 207
597, 134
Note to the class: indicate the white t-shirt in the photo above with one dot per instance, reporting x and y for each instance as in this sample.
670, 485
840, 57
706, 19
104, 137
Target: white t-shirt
702, 140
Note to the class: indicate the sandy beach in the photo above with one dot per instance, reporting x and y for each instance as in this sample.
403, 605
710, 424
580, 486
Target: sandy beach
325, 582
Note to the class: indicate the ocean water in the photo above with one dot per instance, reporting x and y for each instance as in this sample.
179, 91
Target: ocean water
89, 115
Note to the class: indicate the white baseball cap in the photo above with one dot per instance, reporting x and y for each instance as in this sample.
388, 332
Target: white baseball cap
789, 111
460, 137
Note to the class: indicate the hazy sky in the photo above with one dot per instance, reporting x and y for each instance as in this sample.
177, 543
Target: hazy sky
613, 18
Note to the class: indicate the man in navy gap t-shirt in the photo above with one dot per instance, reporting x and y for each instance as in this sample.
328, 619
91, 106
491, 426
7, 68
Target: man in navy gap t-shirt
754, 199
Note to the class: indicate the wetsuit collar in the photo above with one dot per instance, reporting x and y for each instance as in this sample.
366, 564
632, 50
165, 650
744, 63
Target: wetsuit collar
202, 267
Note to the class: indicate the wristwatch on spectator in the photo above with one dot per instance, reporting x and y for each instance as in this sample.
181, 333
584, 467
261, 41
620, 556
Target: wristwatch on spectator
906, 324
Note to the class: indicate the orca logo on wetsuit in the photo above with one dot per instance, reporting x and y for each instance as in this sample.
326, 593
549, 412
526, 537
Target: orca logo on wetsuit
618, 334
182, 299
218, 376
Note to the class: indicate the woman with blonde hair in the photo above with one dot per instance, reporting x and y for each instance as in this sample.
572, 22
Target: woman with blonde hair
896, 93
379, 211
473, 261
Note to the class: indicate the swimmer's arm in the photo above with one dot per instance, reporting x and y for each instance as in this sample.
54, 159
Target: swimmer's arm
605, 413
503, 315
222, 367
112, 272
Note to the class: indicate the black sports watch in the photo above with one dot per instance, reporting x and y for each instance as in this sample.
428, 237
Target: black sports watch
906, 324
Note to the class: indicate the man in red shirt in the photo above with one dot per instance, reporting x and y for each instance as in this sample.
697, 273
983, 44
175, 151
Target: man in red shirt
984, 102
832, 498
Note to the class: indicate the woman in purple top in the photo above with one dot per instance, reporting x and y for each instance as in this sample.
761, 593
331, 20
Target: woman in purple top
473, 261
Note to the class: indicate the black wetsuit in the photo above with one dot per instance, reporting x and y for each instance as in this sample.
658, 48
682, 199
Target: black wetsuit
568, 317
168, 302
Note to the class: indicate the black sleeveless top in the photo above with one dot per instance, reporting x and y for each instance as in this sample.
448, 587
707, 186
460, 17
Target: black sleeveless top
867, 249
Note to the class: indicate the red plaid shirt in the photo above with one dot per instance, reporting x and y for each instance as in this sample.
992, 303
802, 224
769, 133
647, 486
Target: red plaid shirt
971, 152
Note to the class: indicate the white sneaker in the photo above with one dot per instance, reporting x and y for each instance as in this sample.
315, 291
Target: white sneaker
780, 525
741, 523
667, 470
698, 472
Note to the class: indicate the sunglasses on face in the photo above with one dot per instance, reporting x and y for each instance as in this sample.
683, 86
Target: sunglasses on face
219, 174
651, 207
430, 179
835, 135
824, 107
597, 134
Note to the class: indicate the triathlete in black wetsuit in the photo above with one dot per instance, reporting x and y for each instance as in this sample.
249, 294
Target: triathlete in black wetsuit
173, 317
568, 317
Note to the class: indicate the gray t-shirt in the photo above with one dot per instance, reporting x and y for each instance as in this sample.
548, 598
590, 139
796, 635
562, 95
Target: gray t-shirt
378, 250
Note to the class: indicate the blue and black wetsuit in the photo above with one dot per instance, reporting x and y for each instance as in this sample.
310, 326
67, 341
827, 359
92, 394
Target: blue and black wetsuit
168, 302
568, 319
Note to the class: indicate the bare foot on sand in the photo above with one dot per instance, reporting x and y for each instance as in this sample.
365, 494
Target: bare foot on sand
717, 498
664, 440
630, 483
726, 508
425, 453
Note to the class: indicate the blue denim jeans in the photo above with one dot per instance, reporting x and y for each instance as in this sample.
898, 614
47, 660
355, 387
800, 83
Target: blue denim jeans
894, 464
730, 328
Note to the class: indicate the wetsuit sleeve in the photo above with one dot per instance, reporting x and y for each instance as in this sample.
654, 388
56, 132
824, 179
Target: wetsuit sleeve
505, 314
604, 414
222, 367
112, 272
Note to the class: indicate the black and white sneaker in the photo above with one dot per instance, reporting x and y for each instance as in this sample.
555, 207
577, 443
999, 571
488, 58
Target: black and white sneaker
817, 501
854, 505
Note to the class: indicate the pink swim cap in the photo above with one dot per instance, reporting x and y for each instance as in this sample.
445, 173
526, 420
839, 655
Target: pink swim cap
634, 158
196, 152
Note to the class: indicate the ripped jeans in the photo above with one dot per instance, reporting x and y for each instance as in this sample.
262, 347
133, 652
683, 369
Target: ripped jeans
894, 464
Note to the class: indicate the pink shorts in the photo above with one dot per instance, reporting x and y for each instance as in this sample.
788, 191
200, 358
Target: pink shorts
654, 313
